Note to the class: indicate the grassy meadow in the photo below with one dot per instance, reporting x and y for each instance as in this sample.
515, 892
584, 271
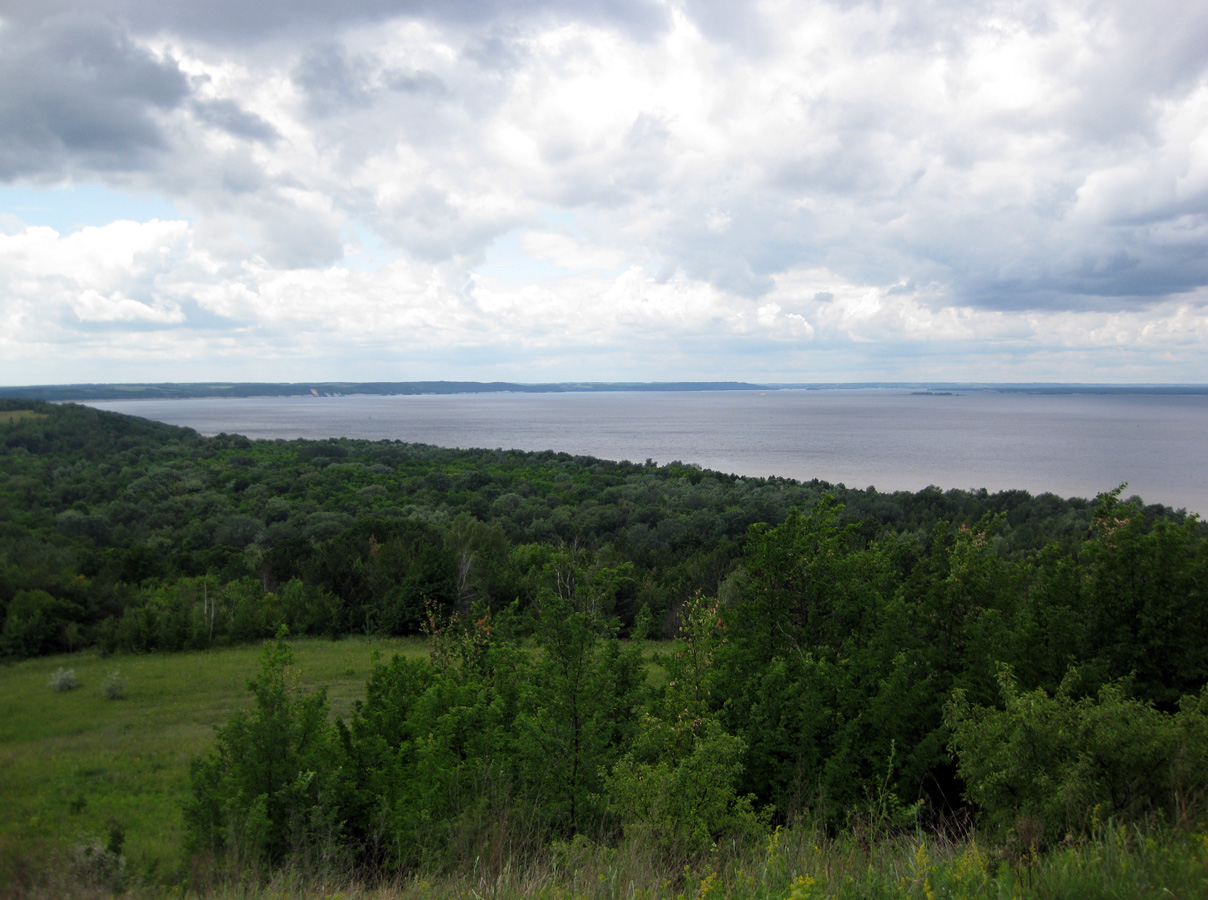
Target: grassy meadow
75, 765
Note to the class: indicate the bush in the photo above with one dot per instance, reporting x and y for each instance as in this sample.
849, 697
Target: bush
96, 864
675, 791
262, 793
1050, 766
34, 624
681, 803
114, 687
63, 680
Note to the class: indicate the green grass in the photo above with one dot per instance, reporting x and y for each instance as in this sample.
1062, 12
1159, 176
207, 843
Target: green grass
1123, 863
76, 764
9, 416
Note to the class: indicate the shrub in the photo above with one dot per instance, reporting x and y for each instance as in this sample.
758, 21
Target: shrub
34, 624
96, 864
681, 803
676, 790
1053, 765
63, 680
261, 794
114, 687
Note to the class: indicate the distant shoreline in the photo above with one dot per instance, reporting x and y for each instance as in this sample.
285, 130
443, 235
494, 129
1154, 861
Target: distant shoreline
192, 390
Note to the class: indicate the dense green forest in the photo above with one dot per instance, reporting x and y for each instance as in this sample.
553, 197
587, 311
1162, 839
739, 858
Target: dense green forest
864, 659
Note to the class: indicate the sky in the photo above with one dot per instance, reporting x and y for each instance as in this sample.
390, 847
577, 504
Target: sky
604, 190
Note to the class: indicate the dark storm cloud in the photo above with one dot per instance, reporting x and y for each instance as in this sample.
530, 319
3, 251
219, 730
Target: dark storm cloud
240, 21
76, 88
229, 117
1101, 278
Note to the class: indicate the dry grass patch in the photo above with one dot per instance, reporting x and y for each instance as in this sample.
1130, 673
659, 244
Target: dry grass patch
10, 416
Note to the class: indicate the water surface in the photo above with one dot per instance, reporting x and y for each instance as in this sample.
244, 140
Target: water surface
1068, 444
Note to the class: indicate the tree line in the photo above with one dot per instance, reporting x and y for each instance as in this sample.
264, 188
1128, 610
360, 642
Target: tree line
131, 535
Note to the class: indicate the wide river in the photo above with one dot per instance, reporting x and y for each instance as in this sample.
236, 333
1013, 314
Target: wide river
1068, 444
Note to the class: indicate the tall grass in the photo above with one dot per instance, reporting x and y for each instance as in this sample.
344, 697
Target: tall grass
794, 864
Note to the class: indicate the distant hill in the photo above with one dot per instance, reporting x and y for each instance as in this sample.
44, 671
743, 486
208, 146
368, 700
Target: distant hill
179, 391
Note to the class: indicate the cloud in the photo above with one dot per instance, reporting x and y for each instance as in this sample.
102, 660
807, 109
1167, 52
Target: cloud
568, 253
847, 178
237, 22
92, 306
150, 285
331, 80
228, 116
80, 92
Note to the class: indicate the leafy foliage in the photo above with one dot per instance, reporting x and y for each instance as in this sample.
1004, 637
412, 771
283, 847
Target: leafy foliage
263, 793
580, 708
106, 513
676, 789
1047, 766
